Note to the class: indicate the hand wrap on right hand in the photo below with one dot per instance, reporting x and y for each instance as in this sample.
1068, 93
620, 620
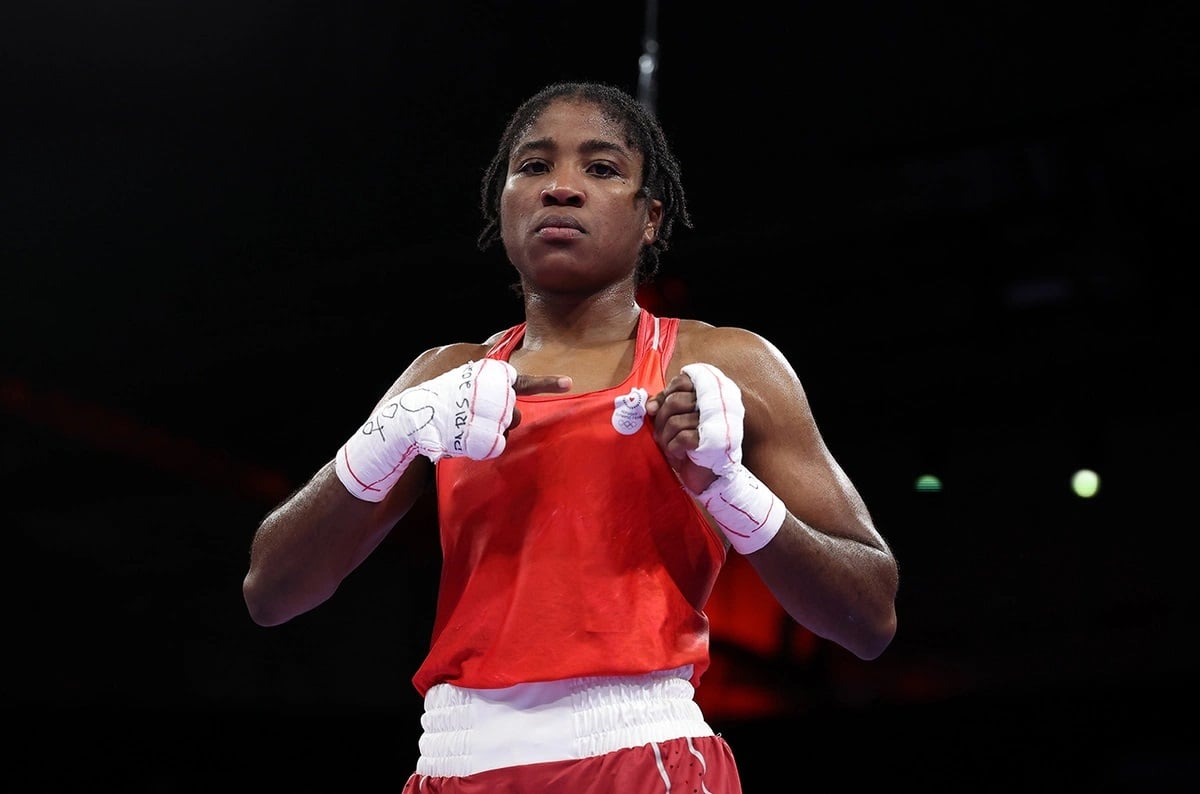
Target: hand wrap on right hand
463, 412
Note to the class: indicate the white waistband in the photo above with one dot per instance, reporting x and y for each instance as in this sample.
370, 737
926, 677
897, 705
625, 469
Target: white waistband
472, 730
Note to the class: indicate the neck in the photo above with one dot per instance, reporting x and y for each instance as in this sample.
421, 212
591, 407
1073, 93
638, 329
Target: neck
600, 318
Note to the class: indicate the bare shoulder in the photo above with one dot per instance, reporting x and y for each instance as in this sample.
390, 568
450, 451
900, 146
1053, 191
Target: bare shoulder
776, 402
738, 352
437, 360
443, 358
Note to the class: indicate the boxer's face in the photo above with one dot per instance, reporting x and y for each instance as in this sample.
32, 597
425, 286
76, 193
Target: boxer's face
571, 216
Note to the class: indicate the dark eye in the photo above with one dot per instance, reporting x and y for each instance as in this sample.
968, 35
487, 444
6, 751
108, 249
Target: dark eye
603, 170
532, 167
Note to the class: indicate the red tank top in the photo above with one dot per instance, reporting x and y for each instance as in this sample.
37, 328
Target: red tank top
577, 552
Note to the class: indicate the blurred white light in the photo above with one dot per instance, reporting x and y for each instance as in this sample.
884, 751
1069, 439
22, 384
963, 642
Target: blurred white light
1085, 483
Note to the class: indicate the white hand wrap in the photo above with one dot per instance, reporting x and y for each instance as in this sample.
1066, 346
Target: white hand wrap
746, 509
463, 412
719, 401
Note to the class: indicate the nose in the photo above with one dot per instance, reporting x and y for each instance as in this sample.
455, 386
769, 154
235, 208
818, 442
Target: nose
562, 195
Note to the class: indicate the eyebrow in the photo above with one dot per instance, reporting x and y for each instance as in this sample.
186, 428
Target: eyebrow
590, 146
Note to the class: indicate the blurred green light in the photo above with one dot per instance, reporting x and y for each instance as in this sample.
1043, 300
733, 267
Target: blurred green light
928, 482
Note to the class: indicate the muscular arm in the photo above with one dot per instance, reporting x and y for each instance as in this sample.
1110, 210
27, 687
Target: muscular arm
828, 566
306, 547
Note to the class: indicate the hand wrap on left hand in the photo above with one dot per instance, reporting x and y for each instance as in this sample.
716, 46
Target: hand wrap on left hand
747, 511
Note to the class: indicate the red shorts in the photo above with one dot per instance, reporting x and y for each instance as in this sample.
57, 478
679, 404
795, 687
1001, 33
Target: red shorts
703, 765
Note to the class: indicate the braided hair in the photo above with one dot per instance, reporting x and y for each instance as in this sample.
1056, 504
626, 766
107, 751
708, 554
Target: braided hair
643, 133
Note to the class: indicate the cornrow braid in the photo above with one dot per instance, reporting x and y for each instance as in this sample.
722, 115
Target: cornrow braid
660, 170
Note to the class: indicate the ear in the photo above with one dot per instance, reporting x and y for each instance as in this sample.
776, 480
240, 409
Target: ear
653, 221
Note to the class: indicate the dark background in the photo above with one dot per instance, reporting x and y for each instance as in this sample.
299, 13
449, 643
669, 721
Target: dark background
227, 226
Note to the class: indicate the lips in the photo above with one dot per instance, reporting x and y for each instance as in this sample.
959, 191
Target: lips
558, 222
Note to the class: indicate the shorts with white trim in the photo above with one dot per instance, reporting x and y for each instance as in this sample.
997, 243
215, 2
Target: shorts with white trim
632, 734
703, 765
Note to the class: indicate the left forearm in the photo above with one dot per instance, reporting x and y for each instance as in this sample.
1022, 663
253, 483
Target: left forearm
841, 589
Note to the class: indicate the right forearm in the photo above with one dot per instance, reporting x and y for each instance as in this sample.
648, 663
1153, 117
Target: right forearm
305, 548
